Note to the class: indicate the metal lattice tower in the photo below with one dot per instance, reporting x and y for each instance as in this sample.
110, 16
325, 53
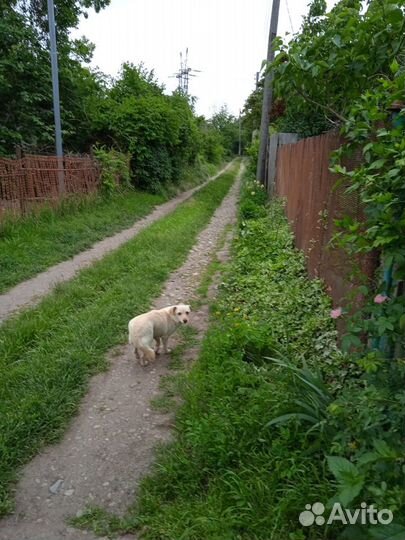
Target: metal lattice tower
184, 73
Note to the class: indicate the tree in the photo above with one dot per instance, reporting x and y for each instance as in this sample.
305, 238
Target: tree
228, 128
334, 59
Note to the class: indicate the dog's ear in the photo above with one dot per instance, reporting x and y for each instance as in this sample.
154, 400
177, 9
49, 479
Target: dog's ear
174, 310
188, 308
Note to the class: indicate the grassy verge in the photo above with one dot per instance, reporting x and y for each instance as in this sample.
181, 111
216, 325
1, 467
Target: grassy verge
48, 353
274, 416
34, 243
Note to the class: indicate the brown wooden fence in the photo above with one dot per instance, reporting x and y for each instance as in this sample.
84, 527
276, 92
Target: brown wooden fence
313, 202
27, 182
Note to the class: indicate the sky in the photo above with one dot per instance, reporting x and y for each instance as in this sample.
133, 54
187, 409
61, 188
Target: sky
226, 39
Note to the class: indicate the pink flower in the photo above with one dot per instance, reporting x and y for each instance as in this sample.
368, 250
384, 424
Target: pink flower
380, 298
335, 313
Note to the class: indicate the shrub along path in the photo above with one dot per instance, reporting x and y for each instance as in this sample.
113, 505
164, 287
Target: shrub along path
29, 293
109, 445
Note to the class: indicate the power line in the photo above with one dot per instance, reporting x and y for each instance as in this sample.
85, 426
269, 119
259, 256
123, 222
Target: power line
289, 16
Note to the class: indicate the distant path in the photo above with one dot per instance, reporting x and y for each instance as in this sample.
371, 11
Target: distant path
109, 446
30, 292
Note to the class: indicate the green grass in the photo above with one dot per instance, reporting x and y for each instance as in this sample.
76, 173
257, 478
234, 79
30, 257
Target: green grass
212, 269
33, 244
48, 353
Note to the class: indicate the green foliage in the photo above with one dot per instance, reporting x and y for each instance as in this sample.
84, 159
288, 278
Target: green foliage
252, 109
25, 84
131, 114
114, 169
311, 402
211, 143
227, 128
334, 59
378, 181
252, 204
253, 152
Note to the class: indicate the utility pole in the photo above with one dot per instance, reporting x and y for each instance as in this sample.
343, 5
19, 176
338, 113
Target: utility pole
55, 92
267, 97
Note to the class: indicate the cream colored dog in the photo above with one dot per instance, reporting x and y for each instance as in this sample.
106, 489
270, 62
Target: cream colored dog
158, 325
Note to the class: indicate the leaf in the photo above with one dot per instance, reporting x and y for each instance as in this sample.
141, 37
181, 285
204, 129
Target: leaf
290, 416
391, 531
383, 449
350, 480
377, 164
337, 40
340, 466
395, 15
347, 494
350, 340
368, 457
394, 66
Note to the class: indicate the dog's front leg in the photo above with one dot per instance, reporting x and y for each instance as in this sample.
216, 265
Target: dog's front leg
165, 349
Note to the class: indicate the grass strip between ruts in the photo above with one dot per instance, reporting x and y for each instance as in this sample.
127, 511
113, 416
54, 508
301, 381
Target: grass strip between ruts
47, 354
33, 244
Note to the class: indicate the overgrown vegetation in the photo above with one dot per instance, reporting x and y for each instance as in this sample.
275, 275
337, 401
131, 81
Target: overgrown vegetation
130, 114
33, 244
48, 354
114, 169
358, 53
349, 49
274, 416
379, 182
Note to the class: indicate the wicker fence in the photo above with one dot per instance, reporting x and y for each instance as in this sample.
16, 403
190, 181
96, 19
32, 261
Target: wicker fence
313, 202
27, 182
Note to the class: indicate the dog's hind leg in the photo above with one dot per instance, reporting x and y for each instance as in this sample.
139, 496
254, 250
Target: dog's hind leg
148, 355
158, 344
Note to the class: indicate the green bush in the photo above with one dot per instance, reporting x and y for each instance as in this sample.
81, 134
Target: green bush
253, 152
253, 200
114, 168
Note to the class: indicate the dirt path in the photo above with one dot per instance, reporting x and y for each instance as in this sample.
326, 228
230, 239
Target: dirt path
28, 293
109, 445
